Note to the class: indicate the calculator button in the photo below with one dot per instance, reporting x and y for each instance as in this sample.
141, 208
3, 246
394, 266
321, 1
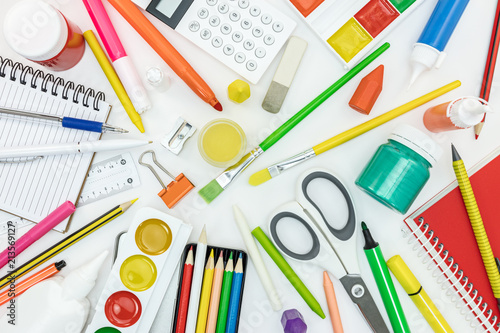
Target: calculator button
248, 44
194, 26
251, 65
225, 29
223, 8
217, 42
266, 18
269, 39
237, 36
260, 52
246, 24
228, 49
255, 11
278, 26
239, 57
234, 16
211, 2
214, 21
257, 31
243, 3
205, 34
203, 13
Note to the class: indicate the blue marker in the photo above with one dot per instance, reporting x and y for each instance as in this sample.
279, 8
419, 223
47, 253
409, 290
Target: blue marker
428, 51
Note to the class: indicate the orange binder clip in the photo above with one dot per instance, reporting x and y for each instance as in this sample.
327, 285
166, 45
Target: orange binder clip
173, 192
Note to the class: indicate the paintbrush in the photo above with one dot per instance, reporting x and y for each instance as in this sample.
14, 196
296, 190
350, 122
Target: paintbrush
219, 184
263, 176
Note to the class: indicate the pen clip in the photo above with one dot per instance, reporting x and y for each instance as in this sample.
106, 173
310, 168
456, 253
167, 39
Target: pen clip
32, 159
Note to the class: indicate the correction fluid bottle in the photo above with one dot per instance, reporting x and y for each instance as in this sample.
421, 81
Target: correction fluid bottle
461, 113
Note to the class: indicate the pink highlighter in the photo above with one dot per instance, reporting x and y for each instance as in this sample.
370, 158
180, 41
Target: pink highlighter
121, 61
57, 216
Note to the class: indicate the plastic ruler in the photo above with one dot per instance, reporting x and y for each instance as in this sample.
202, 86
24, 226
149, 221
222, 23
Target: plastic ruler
106, 178
17, 220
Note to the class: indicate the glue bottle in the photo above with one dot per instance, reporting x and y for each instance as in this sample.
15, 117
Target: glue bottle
460, 113
56, 304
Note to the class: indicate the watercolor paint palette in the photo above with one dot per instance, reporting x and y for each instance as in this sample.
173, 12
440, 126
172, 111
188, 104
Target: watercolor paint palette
352, 28
147, 257
226, 253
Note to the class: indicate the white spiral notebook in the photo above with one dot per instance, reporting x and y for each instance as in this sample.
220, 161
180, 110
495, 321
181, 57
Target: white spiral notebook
31, 190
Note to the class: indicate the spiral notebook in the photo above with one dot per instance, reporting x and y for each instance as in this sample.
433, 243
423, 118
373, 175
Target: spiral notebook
31, 190
441, 226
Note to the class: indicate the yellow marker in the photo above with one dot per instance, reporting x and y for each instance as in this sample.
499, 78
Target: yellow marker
206, 290
113, 79
418, 295
477, 223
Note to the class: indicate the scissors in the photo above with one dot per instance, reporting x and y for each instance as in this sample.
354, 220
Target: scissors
332, 249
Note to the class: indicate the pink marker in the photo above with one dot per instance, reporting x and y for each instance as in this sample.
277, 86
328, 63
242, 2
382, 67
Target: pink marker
35, 233
121, 61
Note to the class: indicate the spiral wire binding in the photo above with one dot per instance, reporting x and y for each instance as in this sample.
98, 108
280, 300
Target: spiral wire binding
80, 94
445, 270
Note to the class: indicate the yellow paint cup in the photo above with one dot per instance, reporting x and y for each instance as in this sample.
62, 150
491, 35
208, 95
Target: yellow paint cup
222, 142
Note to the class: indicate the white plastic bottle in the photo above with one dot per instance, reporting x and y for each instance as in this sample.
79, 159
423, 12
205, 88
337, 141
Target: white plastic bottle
55, 305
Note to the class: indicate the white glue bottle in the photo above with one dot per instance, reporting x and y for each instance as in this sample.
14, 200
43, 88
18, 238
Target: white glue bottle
461, 113
55, 305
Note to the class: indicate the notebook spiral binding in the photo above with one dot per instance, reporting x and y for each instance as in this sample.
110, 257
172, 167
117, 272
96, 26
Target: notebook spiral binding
80, 94
451, 278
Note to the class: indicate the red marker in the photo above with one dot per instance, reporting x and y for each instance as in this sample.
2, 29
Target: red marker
187, 275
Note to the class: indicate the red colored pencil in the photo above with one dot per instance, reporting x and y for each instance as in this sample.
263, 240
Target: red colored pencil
489, 68
187, 275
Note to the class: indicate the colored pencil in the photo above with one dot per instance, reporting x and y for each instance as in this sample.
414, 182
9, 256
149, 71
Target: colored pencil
234, 301
333, 307
489, 68
187, 275
21, 287
194, 296
206, 291
65, 243
225, 295
215, 297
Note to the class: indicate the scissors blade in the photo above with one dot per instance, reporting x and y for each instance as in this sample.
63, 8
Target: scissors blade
360, 295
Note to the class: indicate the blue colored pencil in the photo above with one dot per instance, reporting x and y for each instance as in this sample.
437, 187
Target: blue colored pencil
234, 301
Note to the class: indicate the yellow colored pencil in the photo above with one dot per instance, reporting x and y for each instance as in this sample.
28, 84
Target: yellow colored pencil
264, 175
206, 289
477, 223
113, 78
213, 310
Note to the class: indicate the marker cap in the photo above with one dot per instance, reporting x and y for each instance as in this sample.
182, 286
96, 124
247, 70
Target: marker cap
404, 275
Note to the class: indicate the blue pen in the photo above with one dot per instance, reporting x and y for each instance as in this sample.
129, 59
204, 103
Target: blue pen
234, 300
67, 122
428, 51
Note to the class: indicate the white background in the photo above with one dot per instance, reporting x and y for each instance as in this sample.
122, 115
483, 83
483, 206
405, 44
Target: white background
319, 69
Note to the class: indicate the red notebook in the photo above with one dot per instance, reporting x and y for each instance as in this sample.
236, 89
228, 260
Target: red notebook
442, 227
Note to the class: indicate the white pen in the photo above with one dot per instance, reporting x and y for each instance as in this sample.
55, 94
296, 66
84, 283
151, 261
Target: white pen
70, 148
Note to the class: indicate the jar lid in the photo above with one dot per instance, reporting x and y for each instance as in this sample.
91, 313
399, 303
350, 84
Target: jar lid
35, 30
417, 141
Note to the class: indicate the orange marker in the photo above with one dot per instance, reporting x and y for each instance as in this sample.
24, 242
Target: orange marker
29, 282
332, 304
165, 50
368, 91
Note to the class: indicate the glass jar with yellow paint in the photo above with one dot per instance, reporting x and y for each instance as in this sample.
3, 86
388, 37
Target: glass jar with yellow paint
222, 142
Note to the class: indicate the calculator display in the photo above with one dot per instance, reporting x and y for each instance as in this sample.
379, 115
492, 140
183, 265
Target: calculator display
168, 7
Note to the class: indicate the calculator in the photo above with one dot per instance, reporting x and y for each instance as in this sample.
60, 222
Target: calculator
245, 35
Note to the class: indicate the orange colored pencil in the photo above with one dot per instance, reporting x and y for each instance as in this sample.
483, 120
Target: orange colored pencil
166, 51
331, 300
29, 282
213, 311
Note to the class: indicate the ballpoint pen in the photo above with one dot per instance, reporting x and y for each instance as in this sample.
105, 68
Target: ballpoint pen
70, 148
67, 122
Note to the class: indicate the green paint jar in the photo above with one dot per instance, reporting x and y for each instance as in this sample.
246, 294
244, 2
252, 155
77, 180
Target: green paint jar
400, 168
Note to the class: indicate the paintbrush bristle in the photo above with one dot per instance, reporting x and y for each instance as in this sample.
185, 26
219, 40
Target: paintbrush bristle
259, 177
210, 191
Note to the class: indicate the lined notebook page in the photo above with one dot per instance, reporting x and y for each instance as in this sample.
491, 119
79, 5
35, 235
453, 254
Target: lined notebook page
32, 190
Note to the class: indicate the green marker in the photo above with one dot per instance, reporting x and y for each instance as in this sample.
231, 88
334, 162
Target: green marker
384, 282
288, 271
225, 294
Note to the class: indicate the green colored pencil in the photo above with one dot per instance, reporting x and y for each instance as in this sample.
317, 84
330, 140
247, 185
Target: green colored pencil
216, 186
225, 295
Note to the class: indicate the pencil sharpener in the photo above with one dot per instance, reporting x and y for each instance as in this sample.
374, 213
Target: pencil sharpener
175, 139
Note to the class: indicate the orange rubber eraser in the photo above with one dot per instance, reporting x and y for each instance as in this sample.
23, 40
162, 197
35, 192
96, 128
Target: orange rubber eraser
368, 91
